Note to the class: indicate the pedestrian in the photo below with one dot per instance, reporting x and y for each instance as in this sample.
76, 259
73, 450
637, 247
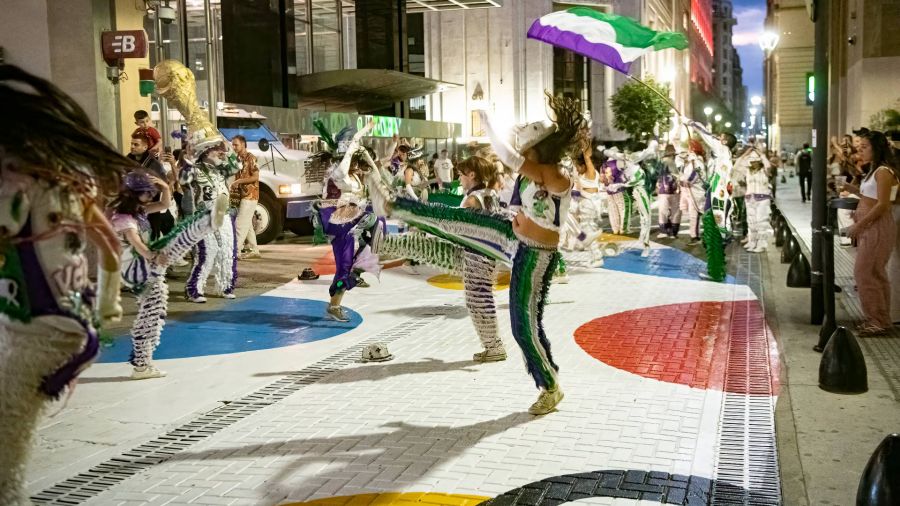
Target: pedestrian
246, 188
875, 233
161, 221
53, 166
803, 162
443, 170
146, 129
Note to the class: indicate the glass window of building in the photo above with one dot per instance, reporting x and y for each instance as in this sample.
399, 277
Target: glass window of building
571, 73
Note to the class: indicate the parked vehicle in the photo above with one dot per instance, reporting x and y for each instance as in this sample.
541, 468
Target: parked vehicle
286, 190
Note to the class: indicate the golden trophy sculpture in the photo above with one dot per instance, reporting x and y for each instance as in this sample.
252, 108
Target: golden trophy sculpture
175, 83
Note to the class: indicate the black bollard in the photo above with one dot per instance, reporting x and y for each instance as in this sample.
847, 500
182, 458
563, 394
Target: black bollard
842, 369
780, 225
798, 275
790, 250
785, 235
880, 482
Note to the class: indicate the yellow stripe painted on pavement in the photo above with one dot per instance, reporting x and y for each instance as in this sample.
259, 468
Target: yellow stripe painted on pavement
396, 499
450, 282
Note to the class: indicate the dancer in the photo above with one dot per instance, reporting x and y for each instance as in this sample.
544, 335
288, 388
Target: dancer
144, 263
759, 206
582, 227
530, 241
347, 218
478, 178
690, 181
667, 196
745, 168
638, 190
614, 179
53, 166
217, 253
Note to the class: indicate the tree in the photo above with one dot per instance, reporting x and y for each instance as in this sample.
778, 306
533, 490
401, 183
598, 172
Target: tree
638, 110
886, 119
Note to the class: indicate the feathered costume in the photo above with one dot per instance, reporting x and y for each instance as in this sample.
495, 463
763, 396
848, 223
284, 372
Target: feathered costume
53, 165
346, 217
634, 182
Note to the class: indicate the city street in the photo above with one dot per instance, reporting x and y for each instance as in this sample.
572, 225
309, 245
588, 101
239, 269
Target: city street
670, 387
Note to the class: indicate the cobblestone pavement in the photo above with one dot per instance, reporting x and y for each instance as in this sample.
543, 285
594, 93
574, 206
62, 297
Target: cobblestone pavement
648, 365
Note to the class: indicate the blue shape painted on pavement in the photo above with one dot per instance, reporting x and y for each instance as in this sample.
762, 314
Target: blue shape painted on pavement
663, 261
257, 323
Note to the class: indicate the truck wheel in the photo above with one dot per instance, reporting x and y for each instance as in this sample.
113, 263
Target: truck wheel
300, 226
268, 220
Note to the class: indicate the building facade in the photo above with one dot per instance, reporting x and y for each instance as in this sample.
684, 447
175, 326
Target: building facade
787, 110
726, 67
501, 71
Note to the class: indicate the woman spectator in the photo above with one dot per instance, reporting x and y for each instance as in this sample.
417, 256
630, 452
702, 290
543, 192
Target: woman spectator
874, 232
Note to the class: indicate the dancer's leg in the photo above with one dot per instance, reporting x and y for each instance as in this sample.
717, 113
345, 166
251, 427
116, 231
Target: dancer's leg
642, 202
149, 321
225, 267
478, 280
532, 270
28, 354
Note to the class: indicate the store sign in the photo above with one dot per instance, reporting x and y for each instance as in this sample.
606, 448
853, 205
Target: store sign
122, 44
810, 88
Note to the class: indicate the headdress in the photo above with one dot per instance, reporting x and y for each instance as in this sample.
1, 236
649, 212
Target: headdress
526, 135
138, 182
175, 83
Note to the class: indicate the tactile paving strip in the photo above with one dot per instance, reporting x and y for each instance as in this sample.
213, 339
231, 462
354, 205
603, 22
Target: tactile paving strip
101, 477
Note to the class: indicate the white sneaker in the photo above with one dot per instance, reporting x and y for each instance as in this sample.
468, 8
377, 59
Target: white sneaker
561, 279
759, 249
337, 313
662, 235
646, 252
228, 296
546, 402
199, 299
181, 262
745, 240
147, 372
251, 254
492, 355
597, 262
411, 269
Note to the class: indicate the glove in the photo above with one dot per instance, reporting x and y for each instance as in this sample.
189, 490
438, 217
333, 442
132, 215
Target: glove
504, 151
109, 300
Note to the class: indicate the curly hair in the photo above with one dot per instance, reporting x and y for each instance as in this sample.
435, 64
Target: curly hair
569, 123
485, 171
54, 137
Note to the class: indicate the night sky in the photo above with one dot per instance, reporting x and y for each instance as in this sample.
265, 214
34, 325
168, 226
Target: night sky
750, 15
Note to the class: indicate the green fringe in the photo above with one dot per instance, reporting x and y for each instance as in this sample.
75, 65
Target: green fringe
425, 249
180, 227
318, 229
495, 222
715, 248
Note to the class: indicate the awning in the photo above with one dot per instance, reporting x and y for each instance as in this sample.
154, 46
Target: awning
362, 90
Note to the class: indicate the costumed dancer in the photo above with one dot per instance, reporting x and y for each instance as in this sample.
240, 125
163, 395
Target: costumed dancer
582, 227
639, 197
216, 161
478, 178
54, 167
691, 178
667, 196
144, 263
716, 218
759, 204
739, 191
346, 217
530, 241
614, 180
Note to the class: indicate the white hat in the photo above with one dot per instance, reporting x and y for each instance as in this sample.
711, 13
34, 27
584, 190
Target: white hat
377, 352
527, 135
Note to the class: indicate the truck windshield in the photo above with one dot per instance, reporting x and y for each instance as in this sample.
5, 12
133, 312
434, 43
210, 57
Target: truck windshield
252, 129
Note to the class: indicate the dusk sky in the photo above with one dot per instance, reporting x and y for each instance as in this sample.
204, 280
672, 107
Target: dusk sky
750, 15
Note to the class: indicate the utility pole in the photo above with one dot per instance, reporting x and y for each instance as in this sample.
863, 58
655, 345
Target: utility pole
163, 106
820, 152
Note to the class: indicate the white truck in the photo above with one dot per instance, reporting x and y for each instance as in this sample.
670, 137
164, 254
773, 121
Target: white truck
286, 189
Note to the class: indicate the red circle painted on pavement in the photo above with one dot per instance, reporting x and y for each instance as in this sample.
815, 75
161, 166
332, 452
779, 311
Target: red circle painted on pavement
689, 344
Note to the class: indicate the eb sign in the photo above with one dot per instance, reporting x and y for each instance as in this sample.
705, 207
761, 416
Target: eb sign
123, 44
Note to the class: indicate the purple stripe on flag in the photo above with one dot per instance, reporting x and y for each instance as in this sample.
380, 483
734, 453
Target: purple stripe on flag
576, 42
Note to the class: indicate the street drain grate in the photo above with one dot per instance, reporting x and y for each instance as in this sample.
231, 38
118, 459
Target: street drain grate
101, 477
746, 470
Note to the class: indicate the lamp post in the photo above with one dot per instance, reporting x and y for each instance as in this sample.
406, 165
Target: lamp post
707, 111
767, 42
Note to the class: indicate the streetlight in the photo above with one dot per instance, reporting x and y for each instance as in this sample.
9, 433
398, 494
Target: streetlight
755, 100
727, 124
768, 41
717, 117
707, 111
